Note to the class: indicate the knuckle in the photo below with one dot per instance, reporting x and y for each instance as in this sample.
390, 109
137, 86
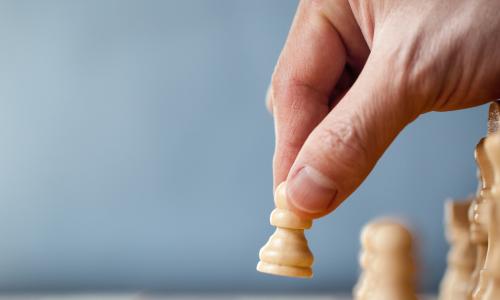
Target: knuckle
277, 90
292, 91
317, 4
287, 97
283, 85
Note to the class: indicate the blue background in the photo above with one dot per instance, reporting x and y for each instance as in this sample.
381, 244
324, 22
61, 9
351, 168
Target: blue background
136, 152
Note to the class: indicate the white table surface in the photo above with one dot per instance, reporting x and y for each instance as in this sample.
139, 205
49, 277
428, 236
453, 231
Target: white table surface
179, 297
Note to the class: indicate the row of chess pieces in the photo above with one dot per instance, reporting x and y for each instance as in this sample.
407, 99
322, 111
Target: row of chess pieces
473, 227
387, 260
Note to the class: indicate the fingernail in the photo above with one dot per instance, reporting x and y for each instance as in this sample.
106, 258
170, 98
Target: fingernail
310, 190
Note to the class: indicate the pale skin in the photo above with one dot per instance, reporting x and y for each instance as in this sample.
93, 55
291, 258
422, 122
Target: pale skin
353, 74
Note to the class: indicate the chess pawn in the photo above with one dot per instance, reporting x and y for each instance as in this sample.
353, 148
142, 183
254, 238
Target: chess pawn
478, 216
489, 280
286, 253
461, 257
362, 288
393, 263
379, 253
387, 263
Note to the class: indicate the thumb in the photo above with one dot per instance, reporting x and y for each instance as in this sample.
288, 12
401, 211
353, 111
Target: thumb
342, 150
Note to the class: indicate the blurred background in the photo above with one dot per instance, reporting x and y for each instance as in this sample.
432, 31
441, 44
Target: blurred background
136, 153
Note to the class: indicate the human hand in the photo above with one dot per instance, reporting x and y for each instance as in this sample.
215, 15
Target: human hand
353, 74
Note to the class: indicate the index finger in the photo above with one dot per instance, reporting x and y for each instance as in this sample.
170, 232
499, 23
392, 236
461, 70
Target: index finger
309, 66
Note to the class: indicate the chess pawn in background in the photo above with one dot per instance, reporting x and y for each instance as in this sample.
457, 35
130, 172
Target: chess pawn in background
366, 279
286, 253
462, 253
387, 263
393, 263
489, 280
478, 216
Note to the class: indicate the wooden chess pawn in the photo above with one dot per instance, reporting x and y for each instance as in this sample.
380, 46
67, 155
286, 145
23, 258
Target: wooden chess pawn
365, 283
462, 253
373, 256
286, 253
387, 263
489, 280
478, 215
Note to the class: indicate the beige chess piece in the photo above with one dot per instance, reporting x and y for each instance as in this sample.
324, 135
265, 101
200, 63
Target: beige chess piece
478, 234
462, 253
478, 209
478, 215
365, 283
387, 263
489, 279
286, 253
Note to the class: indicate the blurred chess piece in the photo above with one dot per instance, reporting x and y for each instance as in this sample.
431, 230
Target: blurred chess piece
478, 233
387, 263
489, 278
462, 253
286, 253
479, 208
362, 289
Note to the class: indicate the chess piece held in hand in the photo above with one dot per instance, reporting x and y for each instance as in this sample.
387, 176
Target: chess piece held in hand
286, 253
462, 253
387, 263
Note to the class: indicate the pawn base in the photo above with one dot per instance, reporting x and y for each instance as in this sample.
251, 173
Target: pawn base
281, 270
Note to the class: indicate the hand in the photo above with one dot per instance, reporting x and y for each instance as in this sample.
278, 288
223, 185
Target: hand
353, 74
